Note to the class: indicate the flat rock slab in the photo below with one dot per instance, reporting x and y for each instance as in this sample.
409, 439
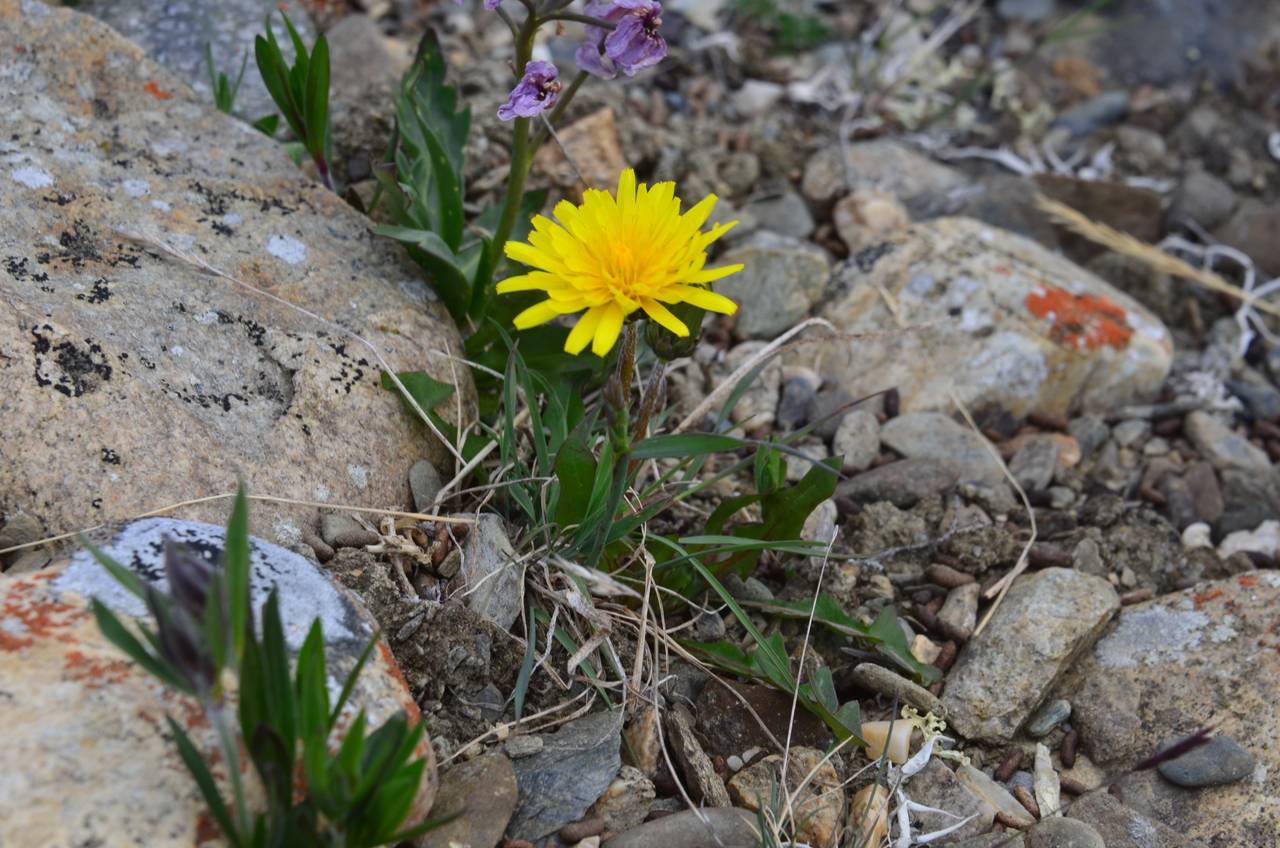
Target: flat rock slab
1046, 620
575, 767
175, 32
1123, 827
133, 380
484, 792
82, 723
999, 318
1165, 668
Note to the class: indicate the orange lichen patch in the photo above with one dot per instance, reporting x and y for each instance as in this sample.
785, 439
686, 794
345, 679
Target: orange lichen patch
207, 829
155, 91
1204, 597
1247, 580
1082, 321
410, 706
95, 673
28, 614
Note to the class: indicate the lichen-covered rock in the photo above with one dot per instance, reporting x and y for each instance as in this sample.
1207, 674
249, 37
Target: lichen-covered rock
1046, 620
87, 724
819, 795
999, 318
1206, 655
133, 380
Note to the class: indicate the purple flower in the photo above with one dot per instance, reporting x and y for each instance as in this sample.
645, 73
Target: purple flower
488, 4
537, 91
633, 45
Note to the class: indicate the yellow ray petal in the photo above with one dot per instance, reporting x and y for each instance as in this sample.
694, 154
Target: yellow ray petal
706, 299
664, 316
607, 332
583, 331
539, 313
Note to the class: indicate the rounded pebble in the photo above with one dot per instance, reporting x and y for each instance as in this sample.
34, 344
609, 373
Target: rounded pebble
1057, 832
1048, 717
1218, 761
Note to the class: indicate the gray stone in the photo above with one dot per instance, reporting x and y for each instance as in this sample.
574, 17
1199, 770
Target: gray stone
1104, 110
882, 681
626, 802
857, 440
20, 529
424, 484
1034, 464
1046, 783
495, 579
1260, 398
902, 483
782, 279
523, 746
174, 34
1131, 433
708, 627
1090, 432
786, 214
796, 401
938, 437
1252, 229
750, 589
936, 785
713, 827
1221, 445
484, 793
575, 767
1249, 497
1027, 11
756, 97
1009, 325
960, 610
883, 164
1001, 675
1058, 832
1220, 760
830, 405
1203, 198
340, 530
154, 381
758, 406
1123, 827
867, 217
1049, 716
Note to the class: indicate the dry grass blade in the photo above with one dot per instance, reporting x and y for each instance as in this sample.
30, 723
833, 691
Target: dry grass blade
1153, 256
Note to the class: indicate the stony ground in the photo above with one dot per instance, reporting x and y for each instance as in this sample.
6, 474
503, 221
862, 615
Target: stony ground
1058, 461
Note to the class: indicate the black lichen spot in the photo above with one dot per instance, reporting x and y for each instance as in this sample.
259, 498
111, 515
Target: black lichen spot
100, 293
110, 457
78, 245
867, 258
59, 198
17, 269
73, 371
96, 503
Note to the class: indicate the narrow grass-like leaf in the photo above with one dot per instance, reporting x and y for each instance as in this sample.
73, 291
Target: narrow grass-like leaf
204, 779
235, 565
117, 634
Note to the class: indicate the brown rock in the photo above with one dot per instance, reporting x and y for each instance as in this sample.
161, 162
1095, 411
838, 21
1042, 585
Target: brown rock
86, 723
484, 791
146, 381
819, 798
865, 217
705, 783
593, 146
729, 726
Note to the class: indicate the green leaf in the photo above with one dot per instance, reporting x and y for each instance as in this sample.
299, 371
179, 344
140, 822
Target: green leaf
275, 653
349, 685
683, 445
311, 691
316, 113
122, 575
770, 470
267, 124
117, 634
575, 469
204, 779
526, 665
236, 572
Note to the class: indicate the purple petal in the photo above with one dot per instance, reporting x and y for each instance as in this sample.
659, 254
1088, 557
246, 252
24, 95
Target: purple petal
537, 91
492, 4
589, 59
635, 43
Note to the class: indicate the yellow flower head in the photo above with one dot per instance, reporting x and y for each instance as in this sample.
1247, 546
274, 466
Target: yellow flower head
613, 256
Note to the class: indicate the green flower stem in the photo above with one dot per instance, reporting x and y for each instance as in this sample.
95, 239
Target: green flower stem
231, 756
582, 19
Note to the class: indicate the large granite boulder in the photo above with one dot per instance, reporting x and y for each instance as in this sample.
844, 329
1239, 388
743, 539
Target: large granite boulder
89, 760
133, 380
1209, 655
999, 318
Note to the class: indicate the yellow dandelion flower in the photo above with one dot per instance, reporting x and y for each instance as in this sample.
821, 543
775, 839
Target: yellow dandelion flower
612, 256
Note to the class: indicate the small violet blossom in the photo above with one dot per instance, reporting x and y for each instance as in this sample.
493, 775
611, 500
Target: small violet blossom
634, 43
537, 91
488, 4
